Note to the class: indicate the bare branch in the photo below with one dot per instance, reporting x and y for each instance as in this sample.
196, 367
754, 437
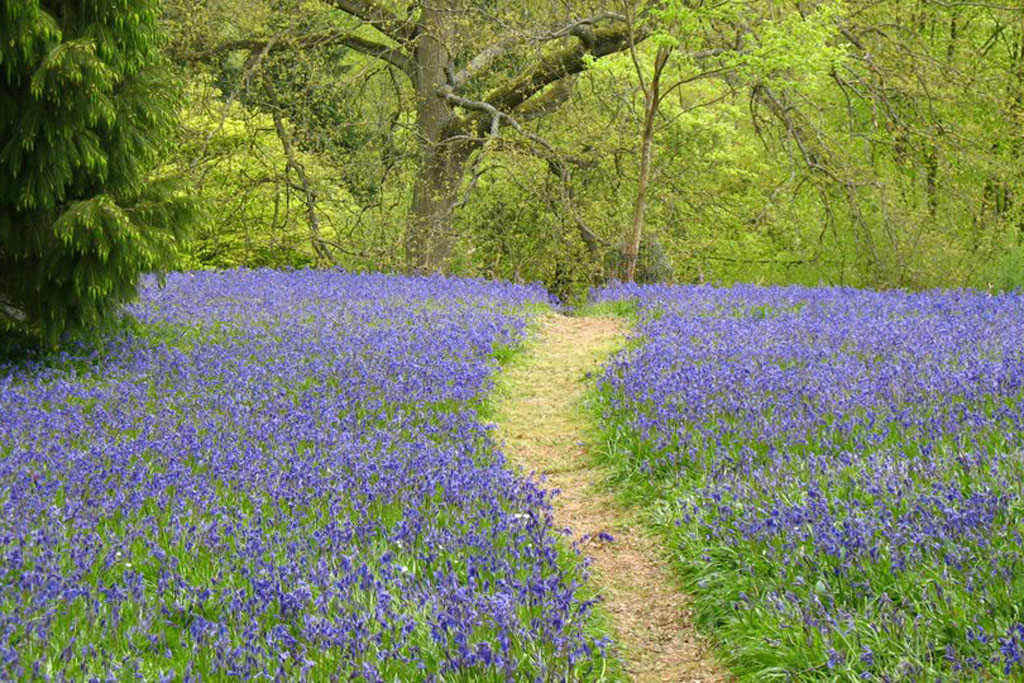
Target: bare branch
983, 5
293, 164
251, 64
391, 55
379, 17
580, 27
556, 162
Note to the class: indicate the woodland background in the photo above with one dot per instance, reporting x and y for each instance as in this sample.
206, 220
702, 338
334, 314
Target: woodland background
855, 142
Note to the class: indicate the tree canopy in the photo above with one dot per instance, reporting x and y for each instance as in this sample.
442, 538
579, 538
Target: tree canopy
571, 142
843, 141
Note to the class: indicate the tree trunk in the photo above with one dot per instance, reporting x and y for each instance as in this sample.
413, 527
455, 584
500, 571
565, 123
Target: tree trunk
430, 237
425, 41
652, 99
635, 232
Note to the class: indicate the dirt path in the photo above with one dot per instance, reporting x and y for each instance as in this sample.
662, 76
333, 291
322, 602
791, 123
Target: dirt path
542, 424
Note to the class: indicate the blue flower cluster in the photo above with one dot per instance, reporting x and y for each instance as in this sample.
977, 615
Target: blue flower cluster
281, 475
839, 471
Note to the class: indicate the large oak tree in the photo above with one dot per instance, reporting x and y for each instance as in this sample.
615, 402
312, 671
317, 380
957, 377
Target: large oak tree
475, 69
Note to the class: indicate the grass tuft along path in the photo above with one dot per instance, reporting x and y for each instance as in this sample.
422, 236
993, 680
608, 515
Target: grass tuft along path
543, 425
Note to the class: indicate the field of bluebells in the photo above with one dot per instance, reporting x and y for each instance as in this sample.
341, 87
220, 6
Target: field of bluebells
838, 472
282, 476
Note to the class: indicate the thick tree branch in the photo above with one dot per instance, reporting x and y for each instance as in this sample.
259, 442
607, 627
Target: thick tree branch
484, 59
391, 55
581, 28
379, 17
493, 113
546, 102
559, 64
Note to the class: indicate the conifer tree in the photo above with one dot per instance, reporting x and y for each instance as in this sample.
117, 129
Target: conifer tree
86, 112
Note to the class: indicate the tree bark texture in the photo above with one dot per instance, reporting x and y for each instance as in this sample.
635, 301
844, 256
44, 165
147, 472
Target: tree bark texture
430, 237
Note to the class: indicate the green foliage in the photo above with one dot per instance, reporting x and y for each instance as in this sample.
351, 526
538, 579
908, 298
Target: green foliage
253, 216
795, 49
341, 131
843, 142
85, 114
1004, 273
515, 229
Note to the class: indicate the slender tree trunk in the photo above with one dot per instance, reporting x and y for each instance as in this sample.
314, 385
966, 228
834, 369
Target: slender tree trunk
652, 99
320, 251
430, 237
633, 236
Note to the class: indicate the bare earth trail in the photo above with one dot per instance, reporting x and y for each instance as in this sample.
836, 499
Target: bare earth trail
543, 425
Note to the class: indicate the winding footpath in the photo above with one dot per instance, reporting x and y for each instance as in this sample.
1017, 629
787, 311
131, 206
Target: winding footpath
543, 425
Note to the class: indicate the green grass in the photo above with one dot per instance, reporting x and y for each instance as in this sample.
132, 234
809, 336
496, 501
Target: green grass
623, 308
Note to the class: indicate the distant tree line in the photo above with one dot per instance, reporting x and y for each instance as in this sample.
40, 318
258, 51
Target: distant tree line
854, 142
835, 141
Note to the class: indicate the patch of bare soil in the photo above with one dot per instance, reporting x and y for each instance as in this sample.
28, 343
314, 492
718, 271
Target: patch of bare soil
542, 424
